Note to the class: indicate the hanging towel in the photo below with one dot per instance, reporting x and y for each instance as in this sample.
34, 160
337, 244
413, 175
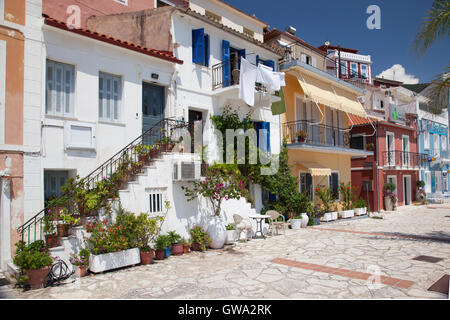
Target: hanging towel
273, 80
247, 79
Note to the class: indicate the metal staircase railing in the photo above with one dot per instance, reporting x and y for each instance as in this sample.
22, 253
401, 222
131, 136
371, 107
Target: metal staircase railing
32, 229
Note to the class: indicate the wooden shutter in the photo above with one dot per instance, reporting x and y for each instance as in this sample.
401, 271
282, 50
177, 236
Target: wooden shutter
198, 46
207, 52
227, 65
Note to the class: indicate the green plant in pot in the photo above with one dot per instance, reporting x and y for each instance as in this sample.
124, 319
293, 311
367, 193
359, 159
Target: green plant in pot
301, 135
186, 245
33, 260
146, 229
80, 262
176, 242
161, 243
199, 238
143, 153
49, 230
390, 197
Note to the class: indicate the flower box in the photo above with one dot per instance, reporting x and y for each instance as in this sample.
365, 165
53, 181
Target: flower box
347, 214
360, 211
296, 224
329, 216
114, 260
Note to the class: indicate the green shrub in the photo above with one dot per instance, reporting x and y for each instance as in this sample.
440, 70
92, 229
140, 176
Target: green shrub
32, 257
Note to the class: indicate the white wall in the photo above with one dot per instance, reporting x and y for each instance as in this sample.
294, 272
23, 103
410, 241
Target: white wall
89, 58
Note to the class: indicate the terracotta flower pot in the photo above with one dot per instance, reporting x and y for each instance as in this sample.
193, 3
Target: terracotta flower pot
37, 277
51, 240
80, 271
186, 248
177, 249
146, 257
196, 246
159, 254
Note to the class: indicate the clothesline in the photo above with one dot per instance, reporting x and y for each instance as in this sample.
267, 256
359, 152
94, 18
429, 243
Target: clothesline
250, 74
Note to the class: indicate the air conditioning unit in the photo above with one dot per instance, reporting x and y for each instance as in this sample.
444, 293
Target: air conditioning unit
186, 170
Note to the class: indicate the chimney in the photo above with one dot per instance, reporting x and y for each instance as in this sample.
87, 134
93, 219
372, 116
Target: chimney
291, 30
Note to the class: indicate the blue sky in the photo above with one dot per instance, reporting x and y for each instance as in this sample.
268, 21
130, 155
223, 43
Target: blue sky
344, 22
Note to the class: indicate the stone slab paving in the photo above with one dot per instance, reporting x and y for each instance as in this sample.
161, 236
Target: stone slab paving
248, 270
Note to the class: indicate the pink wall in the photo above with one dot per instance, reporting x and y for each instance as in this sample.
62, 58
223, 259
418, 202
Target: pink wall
58, 8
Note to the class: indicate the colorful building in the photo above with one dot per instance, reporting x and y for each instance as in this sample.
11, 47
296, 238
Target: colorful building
318, 109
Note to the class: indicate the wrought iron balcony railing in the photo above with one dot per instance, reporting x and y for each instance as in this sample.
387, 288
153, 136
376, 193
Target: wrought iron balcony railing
403, 159
316, 134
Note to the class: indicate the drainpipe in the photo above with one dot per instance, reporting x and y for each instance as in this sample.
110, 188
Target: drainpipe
376, 169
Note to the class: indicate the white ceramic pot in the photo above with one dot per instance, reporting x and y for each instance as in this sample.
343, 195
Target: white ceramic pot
114, 260
296, 224
231, 236
388, 205
305, 220
217, 232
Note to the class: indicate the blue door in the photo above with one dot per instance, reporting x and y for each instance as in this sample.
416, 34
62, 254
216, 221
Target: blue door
153, 102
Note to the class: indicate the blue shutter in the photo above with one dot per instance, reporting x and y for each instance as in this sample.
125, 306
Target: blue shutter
270, 63
207, 50
198, 46
266, 126
272, 197
227, 65
241, 53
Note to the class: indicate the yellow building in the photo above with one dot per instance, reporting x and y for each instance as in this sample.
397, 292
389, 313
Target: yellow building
317, 108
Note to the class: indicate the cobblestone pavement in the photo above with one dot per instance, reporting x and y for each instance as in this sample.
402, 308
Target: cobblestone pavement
246, 271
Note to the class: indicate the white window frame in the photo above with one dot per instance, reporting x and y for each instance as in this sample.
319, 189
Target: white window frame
2, 11
351, 70
102, 103
154, 192
367, 70
406, 150
65, 67
300, 183
389, 133
343, 67
426, 140
67, 135
437, 144
2, 90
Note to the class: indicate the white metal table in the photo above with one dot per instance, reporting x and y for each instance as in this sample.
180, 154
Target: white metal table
259, 219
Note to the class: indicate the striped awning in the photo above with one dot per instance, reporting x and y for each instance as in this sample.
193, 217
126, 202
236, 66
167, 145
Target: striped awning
326, 93
316, 169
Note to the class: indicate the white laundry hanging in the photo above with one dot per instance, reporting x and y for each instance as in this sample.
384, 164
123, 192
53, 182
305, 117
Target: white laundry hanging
274, 80
247, 80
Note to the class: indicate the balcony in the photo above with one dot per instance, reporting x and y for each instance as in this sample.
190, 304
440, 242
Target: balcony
226, 74
403, 160
318, 134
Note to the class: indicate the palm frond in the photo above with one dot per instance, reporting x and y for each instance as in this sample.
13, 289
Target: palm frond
439, 92
435, 26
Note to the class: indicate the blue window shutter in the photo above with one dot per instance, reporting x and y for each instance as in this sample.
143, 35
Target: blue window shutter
227, 65
272, 197
266, 126
207, 50
270, 63
198, 46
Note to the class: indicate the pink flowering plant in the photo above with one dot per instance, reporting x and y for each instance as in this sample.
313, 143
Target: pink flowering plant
220, 184
106, 238
81, 259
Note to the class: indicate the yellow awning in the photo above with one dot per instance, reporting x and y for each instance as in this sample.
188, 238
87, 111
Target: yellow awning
325, 93
316, 169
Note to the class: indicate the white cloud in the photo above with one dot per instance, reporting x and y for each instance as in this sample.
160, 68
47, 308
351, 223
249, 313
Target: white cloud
398, 73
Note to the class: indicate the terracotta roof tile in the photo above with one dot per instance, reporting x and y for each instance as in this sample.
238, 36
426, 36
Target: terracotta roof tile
165, 55
360, 120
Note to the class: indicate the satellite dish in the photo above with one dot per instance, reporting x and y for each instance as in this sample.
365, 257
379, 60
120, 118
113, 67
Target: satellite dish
327, 43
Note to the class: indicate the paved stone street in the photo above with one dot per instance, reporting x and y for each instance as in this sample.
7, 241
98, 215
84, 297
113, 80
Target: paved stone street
329, 261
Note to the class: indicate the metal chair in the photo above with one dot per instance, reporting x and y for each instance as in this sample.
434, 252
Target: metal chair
241, 225
274, 223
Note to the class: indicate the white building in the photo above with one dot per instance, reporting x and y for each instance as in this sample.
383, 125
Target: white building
85, 122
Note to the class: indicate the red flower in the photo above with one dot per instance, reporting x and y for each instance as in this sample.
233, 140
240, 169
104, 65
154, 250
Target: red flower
317, 189
348, 188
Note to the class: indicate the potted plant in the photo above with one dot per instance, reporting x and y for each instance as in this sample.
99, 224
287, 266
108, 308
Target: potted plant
176, 242
231, 233
146, 229
186, 245
420, 192
346, 192
360, 207
296, 222
154, 152
161, 244
327, 198
143, 153
34, 260
370, 146
220, 184
109, 247
199, 238
301, 135
390, 197
51, 239
80, 262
